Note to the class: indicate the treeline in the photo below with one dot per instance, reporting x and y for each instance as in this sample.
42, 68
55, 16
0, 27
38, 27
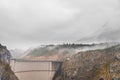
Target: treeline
71, 45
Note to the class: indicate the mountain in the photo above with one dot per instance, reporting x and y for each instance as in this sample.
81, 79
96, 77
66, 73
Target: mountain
104, 34
47, 52
16, 53
26, 53
5, 71
100, 64
62, 51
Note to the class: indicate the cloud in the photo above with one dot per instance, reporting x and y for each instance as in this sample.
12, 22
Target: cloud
25, 23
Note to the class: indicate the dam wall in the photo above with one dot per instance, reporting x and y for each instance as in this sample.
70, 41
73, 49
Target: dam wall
34, 69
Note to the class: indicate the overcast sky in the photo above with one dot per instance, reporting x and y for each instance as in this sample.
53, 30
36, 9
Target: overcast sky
27, 23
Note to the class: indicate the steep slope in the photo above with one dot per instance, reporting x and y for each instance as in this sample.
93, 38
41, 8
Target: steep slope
92, 65
5, 71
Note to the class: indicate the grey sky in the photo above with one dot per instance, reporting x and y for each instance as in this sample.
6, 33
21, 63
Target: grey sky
26, 23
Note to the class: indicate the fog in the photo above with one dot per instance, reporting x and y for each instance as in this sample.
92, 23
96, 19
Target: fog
29, 23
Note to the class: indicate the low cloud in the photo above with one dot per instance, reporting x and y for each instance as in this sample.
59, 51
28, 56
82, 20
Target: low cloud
25, 23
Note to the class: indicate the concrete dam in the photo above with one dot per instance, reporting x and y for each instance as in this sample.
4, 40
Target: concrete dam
34, 69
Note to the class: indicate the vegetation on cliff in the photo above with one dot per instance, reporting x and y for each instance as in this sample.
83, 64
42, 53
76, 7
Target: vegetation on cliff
5, 71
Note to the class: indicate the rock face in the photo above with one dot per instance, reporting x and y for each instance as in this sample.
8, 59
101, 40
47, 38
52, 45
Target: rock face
5, 71
92, 65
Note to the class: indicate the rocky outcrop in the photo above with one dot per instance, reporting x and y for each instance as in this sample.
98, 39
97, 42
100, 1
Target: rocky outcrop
5, 71
92, 65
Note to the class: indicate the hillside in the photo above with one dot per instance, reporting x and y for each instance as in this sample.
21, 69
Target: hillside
49, 52
98, 64
5, 71
63, 51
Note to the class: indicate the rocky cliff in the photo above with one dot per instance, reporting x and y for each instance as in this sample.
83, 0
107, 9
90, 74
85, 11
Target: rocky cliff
92, 65
5, 71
